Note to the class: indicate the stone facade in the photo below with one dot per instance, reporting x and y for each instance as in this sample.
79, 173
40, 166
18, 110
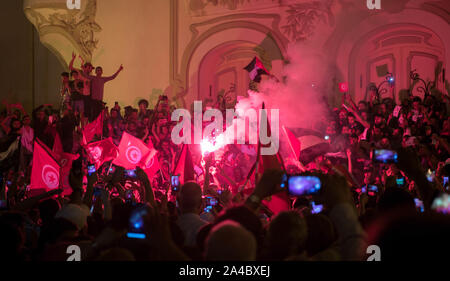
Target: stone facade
196, 49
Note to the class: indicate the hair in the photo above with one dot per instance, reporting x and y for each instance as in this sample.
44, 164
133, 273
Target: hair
144, 101
73, 72
65, 74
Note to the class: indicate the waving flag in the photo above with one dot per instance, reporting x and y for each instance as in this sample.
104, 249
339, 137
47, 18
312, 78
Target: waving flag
184, 166
101, 151
150, 163
313, 144
256, 69
93, 128
45, 170
57, 149
131, 152
65, 162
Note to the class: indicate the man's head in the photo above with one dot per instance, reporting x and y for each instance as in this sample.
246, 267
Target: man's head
87, 67
143, 105
286, 235
65, 77
190, 198
74, 74
99, 71
362, 106
26, 120
229, 241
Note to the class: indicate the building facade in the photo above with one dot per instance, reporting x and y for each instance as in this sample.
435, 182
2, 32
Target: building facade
196, 49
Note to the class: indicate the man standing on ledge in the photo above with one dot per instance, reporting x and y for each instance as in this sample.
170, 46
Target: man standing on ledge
97, 87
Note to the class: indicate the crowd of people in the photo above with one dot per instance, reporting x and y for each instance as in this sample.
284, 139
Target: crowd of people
391, 204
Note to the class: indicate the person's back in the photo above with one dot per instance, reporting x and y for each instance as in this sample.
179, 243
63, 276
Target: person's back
190, 202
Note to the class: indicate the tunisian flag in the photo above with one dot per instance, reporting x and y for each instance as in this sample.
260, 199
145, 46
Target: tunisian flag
102, 151
131, 152
65, 162
184, 166
45, 170
150, 163
93, 128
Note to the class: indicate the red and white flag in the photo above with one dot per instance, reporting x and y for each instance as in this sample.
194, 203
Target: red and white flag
102, 151
93, 128
150, 163
57, 150
184, 166
131, 152
65, 162
45, 170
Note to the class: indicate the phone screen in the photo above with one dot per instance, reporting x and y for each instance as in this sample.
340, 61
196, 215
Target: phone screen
136, 225
91, 169
175, 182
400, 181
419, 205
385, 156
431, 175
316, 209
131, 174
304, 185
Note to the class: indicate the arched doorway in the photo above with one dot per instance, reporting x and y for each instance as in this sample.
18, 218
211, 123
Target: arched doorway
221, 72
216, 59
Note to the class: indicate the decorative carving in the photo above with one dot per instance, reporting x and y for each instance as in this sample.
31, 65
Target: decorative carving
79, 24
209, 7
230, 4
303, 17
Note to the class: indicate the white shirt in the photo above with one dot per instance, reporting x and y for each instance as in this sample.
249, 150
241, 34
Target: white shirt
190, 224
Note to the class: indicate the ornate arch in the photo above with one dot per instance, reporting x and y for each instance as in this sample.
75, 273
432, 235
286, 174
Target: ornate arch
218, 34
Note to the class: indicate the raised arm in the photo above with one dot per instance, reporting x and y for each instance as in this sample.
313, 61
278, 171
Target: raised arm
72, 61
357, 116
114, 75
29, 203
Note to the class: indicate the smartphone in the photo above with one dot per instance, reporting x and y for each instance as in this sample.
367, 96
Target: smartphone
316, 209
91, 169
210, 202
419, 205
130, 174
303, 185
136, 224
441, 204
385, 156
371, 190
284, 181
431, 175
175, 182
400, 181
445, 183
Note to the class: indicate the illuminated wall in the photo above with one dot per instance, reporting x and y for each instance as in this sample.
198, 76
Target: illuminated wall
195, 49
